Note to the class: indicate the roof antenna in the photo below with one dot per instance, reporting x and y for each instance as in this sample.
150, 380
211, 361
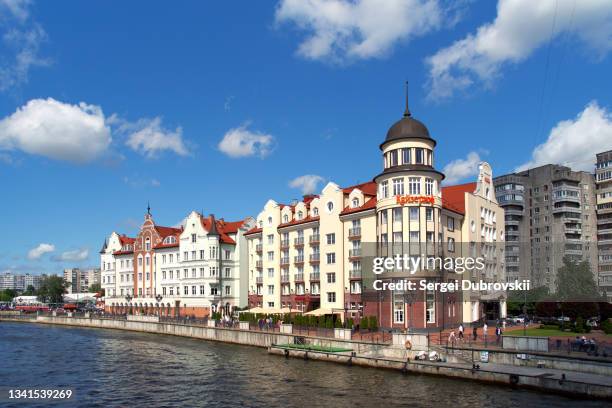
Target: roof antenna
407, 111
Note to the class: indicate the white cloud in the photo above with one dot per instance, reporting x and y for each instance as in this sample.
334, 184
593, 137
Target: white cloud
149, 138
307, 183
40, 250
520, 27
241, 142
575, 142
22, 39
57, 130
460, 169
76, 255
345, 30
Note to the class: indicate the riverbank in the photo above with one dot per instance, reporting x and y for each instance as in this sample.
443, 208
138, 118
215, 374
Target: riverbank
388, 356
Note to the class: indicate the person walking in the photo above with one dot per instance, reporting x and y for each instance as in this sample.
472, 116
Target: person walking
498, 333
452, 338
461, 331
475, 332
485, 328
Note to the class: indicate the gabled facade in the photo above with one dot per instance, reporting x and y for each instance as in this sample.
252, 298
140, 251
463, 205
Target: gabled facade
193, 270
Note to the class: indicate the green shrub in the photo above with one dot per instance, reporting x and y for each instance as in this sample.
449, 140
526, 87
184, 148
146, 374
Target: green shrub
364, 324
606, 326
373, 323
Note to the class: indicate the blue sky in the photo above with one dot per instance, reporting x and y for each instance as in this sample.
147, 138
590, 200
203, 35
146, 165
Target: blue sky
107, 105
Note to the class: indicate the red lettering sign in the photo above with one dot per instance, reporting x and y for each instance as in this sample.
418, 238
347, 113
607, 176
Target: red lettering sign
407, 199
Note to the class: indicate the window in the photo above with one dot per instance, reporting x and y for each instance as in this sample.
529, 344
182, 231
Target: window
214, 291
270, 272
228, 254
201, 272
185, 256
269, 220
398, 312
331, 258
148, 245
451, 244
201, 289
397, 237
414, 185
139, 261
193, 290
398, 186
185, 273
147, 260
331, 239
429, 186
193, 255
300, 215
397, 214
227, 290
193, 272
414, 236
315, 212
393, 157
430, 305
355, 202
270, 239
414, 213
331, 297
429, 214
186, 290
201, 254
383, 217
405, 156
384, 189
330, 206
163, 260
331, 277
270, 255
270, 289
228, 272
419, 156
193, 237
450, 223
285, 218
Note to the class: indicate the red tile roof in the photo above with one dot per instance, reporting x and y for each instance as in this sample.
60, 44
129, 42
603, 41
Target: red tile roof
368, 205
453, 197
232, 228
297, 222
254, 230
166, 231
124, 240
122, 252
368, 188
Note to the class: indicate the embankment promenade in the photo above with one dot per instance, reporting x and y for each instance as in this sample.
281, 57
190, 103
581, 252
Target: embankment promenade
573, 376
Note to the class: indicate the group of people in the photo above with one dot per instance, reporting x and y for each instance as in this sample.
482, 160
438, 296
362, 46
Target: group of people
453, 337
584, 344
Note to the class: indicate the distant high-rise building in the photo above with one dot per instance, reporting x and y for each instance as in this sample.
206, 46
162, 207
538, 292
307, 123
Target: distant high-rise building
550, 213
81, 279
603, 178
18, 282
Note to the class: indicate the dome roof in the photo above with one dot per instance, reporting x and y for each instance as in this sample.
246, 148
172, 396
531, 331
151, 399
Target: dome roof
407, 128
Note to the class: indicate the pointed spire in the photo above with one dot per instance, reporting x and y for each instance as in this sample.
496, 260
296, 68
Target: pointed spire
104, 246
148, 208
407, 111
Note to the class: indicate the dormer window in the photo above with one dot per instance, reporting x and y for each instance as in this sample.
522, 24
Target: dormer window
170, 240
315, 212
300, 215
285, 218
355, 202
260, 224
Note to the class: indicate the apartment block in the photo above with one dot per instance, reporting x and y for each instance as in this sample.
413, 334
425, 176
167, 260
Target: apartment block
550, 213
603, 179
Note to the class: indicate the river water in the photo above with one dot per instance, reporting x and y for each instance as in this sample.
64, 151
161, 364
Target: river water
108, 368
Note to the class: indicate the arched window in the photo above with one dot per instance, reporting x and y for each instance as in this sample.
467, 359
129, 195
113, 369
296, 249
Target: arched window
269, 220
285, 218
300, 215
170, 240
148, 244
355, 202
315, 212
330, 206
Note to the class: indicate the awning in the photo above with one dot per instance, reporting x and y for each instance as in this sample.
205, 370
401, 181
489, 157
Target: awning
255, 310
322, 312
287, 310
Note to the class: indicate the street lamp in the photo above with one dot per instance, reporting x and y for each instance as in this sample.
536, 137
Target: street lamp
159, 298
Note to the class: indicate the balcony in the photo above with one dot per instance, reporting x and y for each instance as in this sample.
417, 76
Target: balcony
285, 278
355, 274
298, 242
299, 259
259, 280
355, 253
284, 261
314, 239
284, 244
315, 276
298, 277
259, 264
259, 248
314, 258
354, 233
566, 208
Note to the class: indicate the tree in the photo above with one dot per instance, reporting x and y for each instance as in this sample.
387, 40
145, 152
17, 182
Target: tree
7, 295
94, 288
52, 289
30, 291
575, 282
